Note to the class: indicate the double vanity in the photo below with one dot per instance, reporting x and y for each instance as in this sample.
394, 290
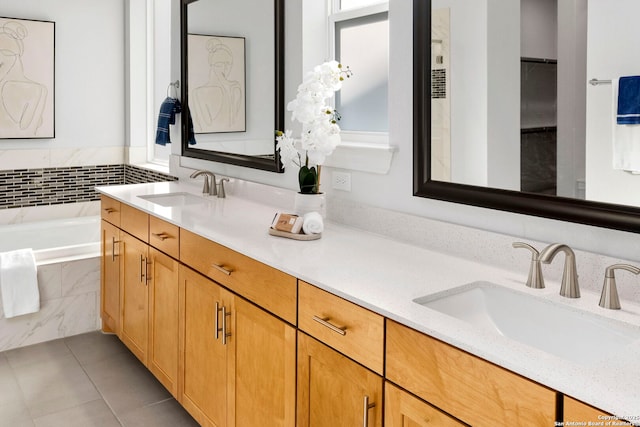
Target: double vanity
244, 328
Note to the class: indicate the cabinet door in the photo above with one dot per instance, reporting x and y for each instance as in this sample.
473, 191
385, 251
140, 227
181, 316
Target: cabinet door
578, 412
134, 301
163, 319
204, 358
465, 386
263, 372
405, 410
334, 390
110, 278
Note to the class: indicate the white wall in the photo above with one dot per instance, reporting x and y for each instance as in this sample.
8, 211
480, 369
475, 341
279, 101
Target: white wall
394, 190
89, 84
612, 53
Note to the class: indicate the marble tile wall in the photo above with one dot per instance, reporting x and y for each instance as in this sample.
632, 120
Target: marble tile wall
69, 305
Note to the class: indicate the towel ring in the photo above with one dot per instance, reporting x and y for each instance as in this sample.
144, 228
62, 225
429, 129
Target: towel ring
175, 85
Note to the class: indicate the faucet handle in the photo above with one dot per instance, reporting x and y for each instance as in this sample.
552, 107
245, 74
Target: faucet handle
221, 193
609, 296
535, 279
205, 186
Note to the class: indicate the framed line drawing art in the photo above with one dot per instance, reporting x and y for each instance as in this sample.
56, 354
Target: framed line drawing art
27, 78
217, 86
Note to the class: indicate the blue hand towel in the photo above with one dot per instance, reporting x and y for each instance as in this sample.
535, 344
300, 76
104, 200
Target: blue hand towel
629, 101
192, 133
166, 117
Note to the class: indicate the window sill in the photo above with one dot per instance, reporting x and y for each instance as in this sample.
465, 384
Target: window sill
362, 156
156, 167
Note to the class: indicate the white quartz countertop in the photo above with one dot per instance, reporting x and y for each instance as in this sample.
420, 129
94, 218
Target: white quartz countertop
385, 276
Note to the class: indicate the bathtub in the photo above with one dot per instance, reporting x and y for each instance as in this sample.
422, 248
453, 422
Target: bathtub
67, 253
55, 240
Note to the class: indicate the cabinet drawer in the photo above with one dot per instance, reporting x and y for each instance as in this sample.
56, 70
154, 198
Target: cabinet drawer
164, 236
352, 330
110, 210
135, 222
271, 289
467, 387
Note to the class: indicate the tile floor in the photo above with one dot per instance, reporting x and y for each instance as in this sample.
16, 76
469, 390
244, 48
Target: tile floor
85, 380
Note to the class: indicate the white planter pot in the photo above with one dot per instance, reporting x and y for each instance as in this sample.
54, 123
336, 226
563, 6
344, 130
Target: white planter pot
304, 203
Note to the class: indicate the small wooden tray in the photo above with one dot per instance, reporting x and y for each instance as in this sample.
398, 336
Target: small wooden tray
298, 236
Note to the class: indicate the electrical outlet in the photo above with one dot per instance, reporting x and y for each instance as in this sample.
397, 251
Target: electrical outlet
341, 181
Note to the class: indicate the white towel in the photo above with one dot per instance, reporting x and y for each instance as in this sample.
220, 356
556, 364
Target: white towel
626, 140
19, 283
312, 223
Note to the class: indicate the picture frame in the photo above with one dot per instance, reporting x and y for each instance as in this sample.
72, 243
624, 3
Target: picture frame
27, 78
217, 83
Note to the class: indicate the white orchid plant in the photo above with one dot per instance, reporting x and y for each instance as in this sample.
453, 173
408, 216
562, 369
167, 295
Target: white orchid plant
320, 131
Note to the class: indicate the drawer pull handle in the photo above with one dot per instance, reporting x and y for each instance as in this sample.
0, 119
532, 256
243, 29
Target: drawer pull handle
367, 406
162, 236
215, 323
221, 268
222, 329
113, 248
225, 334
148, 277
324, 321
110, 210
143, 268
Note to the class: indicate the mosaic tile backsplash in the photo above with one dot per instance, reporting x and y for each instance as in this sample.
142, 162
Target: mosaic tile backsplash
439, 84
53, 186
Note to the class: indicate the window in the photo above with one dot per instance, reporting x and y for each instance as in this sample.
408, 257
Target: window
360, 39
356, 34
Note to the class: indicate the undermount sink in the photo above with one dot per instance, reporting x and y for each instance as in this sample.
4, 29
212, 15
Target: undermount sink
173, 199
552, 327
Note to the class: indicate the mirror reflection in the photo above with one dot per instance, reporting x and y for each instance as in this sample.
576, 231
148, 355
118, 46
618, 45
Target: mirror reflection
232, 79
511, 103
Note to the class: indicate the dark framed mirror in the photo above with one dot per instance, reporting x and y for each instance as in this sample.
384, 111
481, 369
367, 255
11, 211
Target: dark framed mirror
427, 52
232, 81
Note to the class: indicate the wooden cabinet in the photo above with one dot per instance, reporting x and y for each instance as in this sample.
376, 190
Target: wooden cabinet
110, 277
578, 412
218, 329
264, 374
110, 210
140, 287
334, 390
352, 330
238, 362
467, 387
261, 284
204, 358
164, 236
135, 222
134, 296
149, 308
163, 319
405, 410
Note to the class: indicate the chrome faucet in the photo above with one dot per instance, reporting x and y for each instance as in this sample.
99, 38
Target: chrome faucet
535, 279
211, 190
609, 297
569, 287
